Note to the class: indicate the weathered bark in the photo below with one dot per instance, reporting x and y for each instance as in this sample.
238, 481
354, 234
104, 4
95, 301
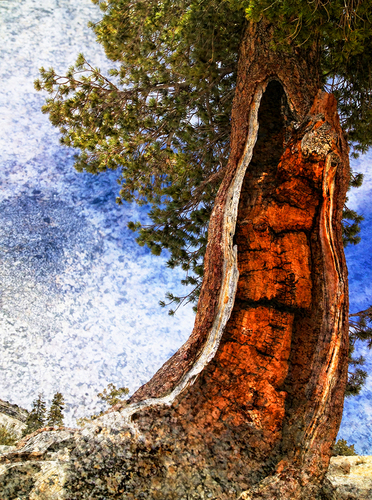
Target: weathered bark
251, 404
258, 63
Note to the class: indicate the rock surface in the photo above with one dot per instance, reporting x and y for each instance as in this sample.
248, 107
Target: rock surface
350, 478
13, 417
42, 464
35, 469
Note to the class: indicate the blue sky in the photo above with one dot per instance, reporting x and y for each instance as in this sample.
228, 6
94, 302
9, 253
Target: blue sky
79, 298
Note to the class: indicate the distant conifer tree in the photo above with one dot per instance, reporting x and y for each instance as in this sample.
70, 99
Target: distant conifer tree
111, 395
342, 448
55, 415
360, 329
36, 417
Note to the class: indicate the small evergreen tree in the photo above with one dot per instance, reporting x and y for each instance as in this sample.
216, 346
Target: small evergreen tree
36, 417
342, 448
55, 415
360, 330
110, 395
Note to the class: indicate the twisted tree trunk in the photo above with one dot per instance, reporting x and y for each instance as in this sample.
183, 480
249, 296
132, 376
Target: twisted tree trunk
261, 379
251, 404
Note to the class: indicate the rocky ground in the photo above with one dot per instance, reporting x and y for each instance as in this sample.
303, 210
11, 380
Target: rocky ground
38, 468
12, 417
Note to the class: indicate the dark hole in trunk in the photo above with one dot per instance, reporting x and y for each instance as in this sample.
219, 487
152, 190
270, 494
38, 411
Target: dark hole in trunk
253, 353
270, 140
260, 178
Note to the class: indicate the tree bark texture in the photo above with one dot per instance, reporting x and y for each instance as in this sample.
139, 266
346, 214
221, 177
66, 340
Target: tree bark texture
250, 406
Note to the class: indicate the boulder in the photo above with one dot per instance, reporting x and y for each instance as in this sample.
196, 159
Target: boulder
38, 468
349, 478
35, 469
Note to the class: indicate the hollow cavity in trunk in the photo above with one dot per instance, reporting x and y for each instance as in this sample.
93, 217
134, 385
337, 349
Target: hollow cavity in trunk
240, 391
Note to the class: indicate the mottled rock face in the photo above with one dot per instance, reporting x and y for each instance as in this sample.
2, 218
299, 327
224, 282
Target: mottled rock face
36, 468
13, 417
349, 478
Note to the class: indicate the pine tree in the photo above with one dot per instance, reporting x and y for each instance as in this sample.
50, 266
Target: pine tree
162, 117
111, 395
36, 417
360, 330
175, 117
55, 414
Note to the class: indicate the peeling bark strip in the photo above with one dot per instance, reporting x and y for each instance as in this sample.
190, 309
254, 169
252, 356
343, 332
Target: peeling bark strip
250, 406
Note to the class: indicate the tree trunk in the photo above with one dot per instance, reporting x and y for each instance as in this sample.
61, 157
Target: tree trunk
249, 407
262, 377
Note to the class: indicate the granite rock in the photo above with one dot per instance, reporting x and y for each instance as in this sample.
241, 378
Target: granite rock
13, 417
42, 461
349, 478
35, 468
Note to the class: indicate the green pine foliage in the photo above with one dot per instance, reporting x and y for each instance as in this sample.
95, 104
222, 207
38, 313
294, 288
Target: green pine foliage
36, 417
351, 226
7, 436
342, 448
55, 414
351, 220
360, 330
162, 116
111, 395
